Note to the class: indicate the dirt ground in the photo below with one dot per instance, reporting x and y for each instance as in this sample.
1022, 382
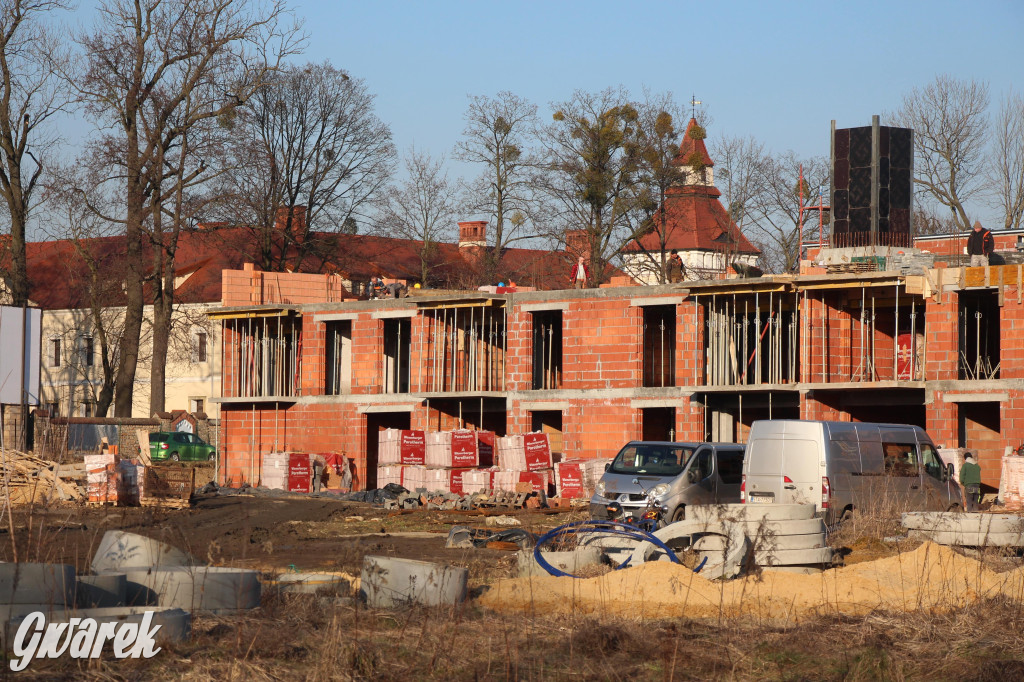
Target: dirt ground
324, 637
271, 534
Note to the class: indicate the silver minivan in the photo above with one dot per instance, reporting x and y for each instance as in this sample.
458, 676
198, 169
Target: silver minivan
842, 466
677, 474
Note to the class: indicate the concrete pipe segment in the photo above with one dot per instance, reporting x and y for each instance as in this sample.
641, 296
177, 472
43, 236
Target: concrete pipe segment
176, 624
119, 550
52, 585
969, 539
101, 591
716, 543
682, 534
210, 589
569, 562
388, 582
960, 522
712, 513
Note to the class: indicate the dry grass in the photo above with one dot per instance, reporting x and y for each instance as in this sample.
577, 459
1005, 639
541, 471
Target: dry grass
305, 637
309, 637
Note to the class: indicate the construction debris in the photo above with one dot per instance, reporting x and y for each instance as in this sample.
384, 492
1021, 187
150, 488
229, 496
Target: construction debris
28, 479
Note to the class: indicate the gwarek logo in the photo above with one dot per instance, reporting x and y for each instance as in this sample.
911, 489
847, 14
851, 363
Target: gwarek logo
82, 638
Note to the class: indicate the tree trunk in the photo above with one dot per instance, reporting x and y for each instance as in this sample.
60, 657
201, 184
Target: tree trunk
127, 362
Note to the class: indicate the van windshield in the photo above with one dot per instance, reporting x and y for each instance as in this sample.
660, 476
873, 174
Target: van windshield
651, 459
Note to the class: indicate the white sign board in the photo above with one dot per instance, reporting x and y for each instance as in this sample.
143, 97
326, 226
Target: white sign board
19, 355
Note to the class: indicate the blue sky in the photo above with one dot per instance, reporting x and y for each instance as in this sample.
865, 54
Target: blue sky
780, 71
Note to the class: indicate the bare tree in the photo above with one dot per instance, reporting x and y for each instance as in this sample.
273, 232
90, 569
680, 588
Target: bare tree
310, 156
30, 95
739, 174
497, 136
950, 132
773, 215
661, 170
422, 209
154, 70
592, 173
1006, 173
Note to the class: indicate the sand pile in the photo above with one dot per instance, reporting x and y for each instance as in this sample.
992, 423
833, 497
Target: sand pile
931, 577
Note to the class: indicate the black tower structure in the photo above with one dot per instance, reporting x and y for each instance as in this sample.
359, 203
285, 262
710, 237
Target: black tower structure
872, 186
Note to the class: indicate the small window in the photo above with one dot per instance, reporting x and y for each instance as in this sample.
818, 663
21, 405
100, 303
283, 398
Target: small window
900, 459
54, 352
87, 349
730, 466
703, 464
932, 462
197, 405
88, 408
199, 347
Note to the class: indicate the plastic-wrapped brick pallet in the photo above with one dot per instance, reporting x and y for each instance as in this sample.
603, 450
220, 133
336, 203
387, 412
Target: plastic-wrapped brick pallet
525, 452
432, 480
1011, 482
478, 480
452, 449
275, 470
101, 477
390, 473
397, 446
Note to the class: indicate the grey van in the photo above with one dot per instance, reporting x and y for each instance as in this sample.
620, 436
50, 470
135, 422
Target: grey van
677, 473
842, 466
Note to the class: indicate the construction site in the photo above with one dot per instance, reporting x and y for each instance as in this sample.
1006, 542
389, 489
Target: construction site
400, 484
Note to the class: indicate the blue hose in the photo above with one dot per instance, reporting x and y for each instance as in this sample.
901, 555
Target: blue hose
606, 527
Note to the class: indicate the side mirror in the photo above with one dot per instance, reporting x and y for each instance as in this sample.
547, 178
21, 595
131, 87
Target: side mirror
693, 475
607, 466
949, 472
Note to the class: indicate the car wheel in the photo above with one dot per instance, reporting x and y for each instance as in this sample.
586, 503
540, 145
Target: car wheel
174, 457
679, 514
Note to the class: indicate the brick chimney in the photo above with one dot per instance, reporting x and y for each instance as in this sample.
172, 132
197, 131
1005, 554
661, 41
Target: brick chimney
298, 221
472, 233
577, 243
472, 240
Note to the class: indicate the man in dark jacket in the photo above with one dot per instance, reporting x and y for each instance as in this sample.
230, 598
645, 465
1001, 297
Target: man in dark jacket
970, 479
980, 245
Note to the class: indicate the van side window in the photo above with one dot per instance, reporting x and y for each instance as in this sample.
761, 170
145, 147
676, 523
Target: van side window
703, 464
931, 460
730, 466
900, 459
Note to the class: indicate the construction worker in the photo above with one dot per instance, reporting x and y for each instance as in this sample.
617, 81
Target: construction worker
580, 274
675, 267
980, 245
970, 479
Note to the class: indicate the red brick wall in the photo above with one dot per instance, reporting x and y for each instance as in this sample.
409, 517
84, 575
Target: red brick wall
601, 344
254, 287
941, 338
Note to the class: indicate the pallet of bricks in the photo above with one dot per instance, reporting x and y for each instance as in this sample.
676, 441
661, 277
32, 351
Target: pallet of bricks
291, 471
435, 461
113, 480
575, 479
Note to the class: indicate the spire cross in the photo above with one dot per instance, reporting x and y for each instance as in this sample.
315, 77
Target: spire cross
693, 104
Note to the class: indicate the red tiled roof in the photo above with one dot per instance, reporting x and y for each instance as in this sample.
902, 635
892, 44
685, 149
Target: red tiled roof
59, 275
694, 219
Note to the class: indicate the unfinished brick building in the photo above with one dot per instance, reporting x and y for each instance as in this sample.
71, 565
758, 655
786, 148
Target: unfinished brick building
943, 349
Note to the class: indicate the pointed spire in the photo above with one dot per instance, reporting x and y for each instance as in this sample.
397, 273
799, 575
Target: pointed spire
693, 143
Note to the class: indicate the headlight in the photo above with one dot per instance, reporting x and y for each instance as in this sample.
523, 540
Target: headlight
599, 489
659, 490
